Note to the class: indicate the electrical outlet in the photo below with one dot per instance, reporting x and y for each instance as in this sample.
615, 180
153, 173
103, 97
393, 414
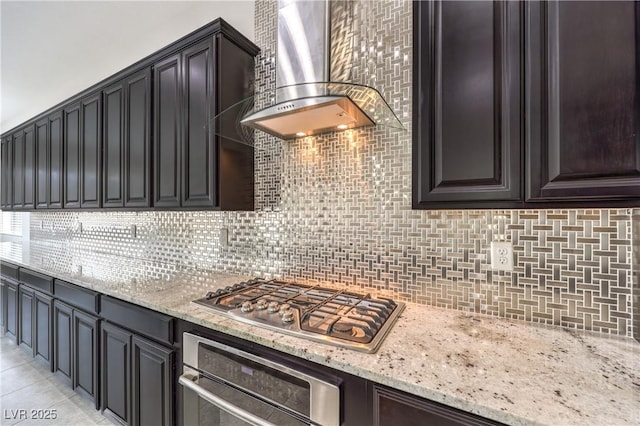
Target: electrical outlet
224, 237
501, 256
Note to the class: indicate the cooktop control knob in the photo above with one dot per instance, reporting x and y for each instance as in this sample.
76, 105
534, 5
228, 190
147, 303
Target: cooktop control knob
288, 316
284, 308
246, 306
273, 307
261, 304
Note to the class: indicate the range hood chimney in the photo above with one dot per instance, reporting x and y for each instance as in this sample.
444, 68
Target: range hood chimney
314, 92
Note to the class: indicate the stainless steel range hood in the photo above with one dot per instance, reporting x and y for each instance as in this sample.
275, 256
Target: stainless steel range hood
313, 74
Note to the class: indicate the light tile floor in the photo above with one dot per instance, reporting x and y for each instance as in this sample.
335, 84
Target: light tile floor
28, 392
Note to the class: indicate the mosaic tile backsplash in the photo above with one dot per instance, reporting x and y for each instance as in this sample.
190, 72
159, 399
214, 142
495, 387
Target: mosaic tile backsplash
337, 208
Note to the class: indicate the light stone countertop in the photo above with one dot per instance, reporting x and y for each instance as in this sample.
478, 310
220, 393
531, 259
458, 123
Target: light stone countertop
509, 371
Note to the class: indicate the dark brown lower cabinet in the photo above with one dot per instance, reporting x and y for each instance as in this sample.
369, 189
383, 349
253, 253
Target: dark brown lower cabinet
76, 340
85, 355
116, 372
8, 308
392, 408
34, 322
137, 378
25, 318
10, 314
43, 329
62, 340
152, 383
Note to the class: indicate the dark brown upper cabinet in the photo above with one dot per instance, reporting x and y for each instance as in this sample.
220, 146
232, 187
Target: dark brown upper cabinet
18, 170
42, 163
113, 139
198, 150
83, 153
467, 113
91, 151
49, 161
167, 136
56, 161
583, 101
29, 168
6, 153
526, 104
193, 167
98, 149
71, 156
184, 147
126, 157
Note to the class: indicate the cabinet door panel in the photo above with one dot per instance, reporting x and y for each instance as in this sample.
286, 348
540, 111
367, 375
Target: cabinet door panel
11, 324
198, 166
18, 170
3, 306
62, 340
42, 341
7, 174
25, 314
116, 372
29, 167
56, 157
91, 152
167, 133
113, 98
467, 111
151, 383
137, 140
584, 138
42, 161
72, 157
85, 354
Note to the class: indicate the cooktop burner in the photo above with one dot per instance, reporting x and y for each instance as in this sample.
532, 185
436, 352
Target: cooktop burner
338, 317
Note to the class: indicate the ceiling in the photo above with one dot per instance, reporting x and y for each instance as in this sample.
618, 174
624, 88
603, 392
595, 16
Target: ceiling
51, 50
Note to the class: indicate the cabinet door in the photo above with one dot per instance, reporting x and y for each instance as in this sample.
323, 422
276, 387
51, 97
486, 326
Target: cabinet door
198, 151
3, 306
152, 377
56, 159
91, 152
7, 174
13, 308
113, 159
583, 103
42, 164
115, 397
137, 177
391, 408
167, 138
85, 355
43, 329
18, 170
62, 340
29, 167
25, 315
71, 161
467, 114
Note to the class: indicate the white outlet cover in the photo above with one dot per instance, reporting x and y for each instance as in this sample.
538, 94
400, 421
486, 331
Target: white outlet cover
501, 256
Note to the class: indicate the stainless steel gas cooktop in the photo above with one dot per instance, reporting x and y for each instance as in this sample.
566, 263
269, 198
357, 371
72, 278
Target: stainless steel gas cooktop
338, 317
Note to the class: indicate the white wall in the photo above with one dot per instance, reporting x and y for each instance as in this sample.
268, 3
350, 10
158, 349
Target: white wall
52, 50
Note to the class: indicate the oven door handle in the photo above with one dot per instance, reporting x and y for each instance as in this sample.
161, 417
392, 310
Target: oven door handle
187, 381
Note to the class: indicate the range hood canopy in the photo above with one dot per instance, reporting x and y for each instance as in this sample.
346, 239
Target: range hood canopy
313, 94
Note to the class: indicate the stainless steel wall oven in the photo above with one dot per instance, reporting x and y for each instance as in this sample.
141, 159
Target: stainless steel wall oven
224, 385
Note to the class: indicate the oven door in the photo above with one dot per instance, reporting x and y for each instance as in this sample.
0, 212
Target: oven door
223, 385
